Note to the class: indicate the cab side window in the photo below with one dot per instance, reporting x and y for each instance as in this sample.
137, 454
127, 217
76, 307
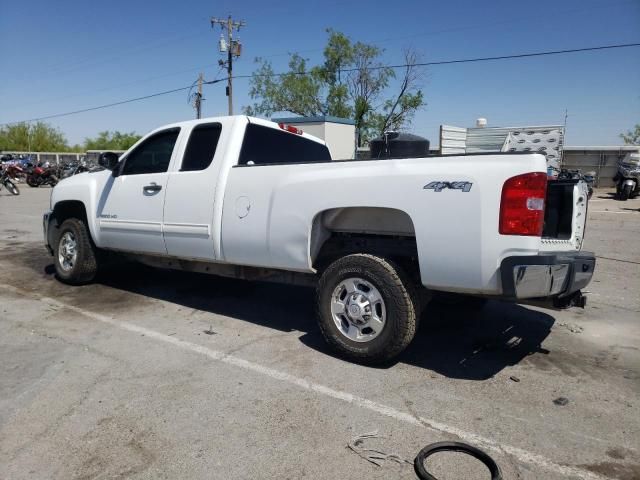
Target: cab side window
201, 147
153, 155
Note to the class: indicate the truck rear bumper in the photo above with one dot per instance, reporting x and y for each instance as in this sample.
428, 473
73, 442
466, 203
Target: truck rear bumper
557, 275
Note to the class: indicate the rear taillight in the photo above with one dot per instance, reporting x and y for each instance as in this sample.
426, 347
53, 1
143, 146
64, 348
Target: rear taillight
522, 205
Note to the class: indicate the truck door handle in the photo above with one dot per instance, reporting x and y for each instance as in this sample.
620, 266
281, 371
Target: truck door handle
152, 188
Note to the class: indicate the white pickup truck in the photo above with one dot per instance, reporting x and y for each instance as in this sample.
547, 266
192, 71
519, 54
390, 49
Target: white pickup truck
244, 197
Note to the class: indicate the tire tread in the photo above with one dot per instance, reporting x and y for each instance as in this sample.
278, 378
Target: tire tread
406, 305
86, 267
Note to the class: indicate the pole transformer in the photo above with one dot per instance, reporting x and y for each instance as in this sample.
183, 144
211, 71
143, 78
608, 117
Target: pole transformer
232, 47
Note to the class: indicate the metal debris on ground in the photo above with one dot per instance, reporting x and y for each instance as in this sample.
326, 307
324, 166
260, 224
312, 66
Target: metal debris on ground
572, 327
514, 378
372, 455
209, 331
561, 401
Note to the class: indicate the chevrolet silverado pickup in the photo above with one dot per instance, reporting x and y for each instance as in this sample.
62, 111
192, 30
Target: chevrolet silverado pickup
247, 198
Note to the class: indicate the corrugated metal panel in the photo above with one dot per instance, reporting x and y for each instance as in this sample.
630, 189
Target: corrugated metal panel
452, 140
486, 139
546, 140
603, 148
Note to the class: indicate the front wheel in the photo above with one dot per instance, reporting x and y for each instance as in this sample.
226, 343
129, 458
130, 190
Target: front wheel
367, 308
75, 255
11, 187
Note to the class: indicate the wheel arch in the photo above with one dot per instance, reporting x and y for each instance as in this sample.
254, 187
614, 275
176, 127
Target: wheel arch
65, 209
380, 227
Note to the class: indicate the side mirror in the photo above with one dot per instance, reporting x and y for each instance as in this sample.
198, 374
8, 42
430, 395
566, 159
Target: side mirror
108, 160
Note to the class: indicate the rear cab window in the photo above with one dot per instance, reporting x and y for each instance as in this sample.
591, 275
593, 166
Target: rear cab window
270, 146
201, 147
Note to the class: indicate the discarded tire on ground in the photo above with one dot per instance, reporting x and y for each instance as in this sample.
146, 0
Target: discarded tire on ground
440, 447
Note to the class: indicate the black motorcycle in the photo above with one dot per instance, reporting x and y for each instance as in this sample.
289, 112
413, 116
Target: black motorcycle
72, 169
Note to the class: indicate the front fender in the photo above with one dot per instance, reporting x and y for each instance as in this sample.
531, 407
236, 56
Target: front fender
86, 188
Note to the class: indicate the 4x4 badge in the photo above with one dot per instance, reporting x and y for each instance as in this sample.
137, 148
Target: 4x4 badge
439, 186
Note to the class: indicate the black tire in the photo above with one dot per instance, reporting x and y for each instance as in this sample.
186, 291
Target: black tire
626, 192
32, 182
401, 301
429, 450
85, 267
11, 187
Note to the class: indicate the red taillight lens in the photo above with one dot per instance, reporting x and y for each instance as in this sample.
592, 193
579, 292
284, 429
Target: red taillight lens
522, 205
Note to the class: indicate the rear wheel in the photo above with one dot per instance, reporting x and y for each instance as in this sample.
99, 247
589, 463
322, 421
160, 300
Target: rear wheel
75, 255
367, 308
32, 182
625, 193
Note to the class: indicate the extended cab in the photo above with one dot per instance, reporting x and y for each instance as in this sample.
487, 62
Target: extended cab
244, 197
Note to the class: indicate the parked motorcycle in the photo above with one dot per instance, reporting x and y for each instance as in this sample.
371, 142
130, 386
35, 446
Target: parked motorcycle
15, 172
42, 175
73, 169
565, 174
8, 183
628, 177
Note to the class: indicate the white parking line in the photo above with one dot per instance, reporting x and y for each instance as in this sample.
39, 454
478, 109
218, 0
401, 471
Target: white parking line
523, 456
607, 211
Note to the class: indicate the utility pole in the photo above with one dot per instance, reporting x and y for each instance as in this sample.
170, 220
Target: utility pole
564, 134
197, 101
232, 47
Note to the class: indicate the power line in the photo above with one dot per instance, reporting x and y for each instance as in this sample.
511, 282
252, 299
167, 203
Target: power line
122, 102
464, 60
344, 70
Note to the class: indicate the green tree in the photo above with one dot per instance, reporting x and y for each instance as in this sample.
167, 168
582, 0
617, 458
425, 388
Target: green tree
632, 137
111, 141
352, 82
35, 137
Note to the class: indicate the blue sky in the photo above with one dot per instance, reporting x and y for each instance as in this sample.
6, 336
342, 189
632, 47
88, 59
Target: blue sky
67, 55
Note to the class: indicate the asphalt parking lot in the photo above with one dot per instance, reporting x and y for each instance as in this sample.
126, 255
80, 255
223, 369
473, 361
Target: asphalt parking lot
154, 374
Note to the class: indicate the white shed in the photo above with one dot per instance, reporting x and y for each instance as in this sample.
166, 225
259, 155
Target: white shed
338, 133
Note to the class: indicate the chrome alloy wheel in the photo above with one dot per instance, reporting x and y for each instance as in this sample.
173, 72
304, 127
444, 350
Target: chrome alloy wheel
358, 310
67, 251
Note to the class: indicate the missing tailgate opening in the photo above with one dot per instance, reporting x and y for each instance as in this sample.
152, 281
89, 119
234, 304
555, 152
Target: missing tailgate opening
558, 215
